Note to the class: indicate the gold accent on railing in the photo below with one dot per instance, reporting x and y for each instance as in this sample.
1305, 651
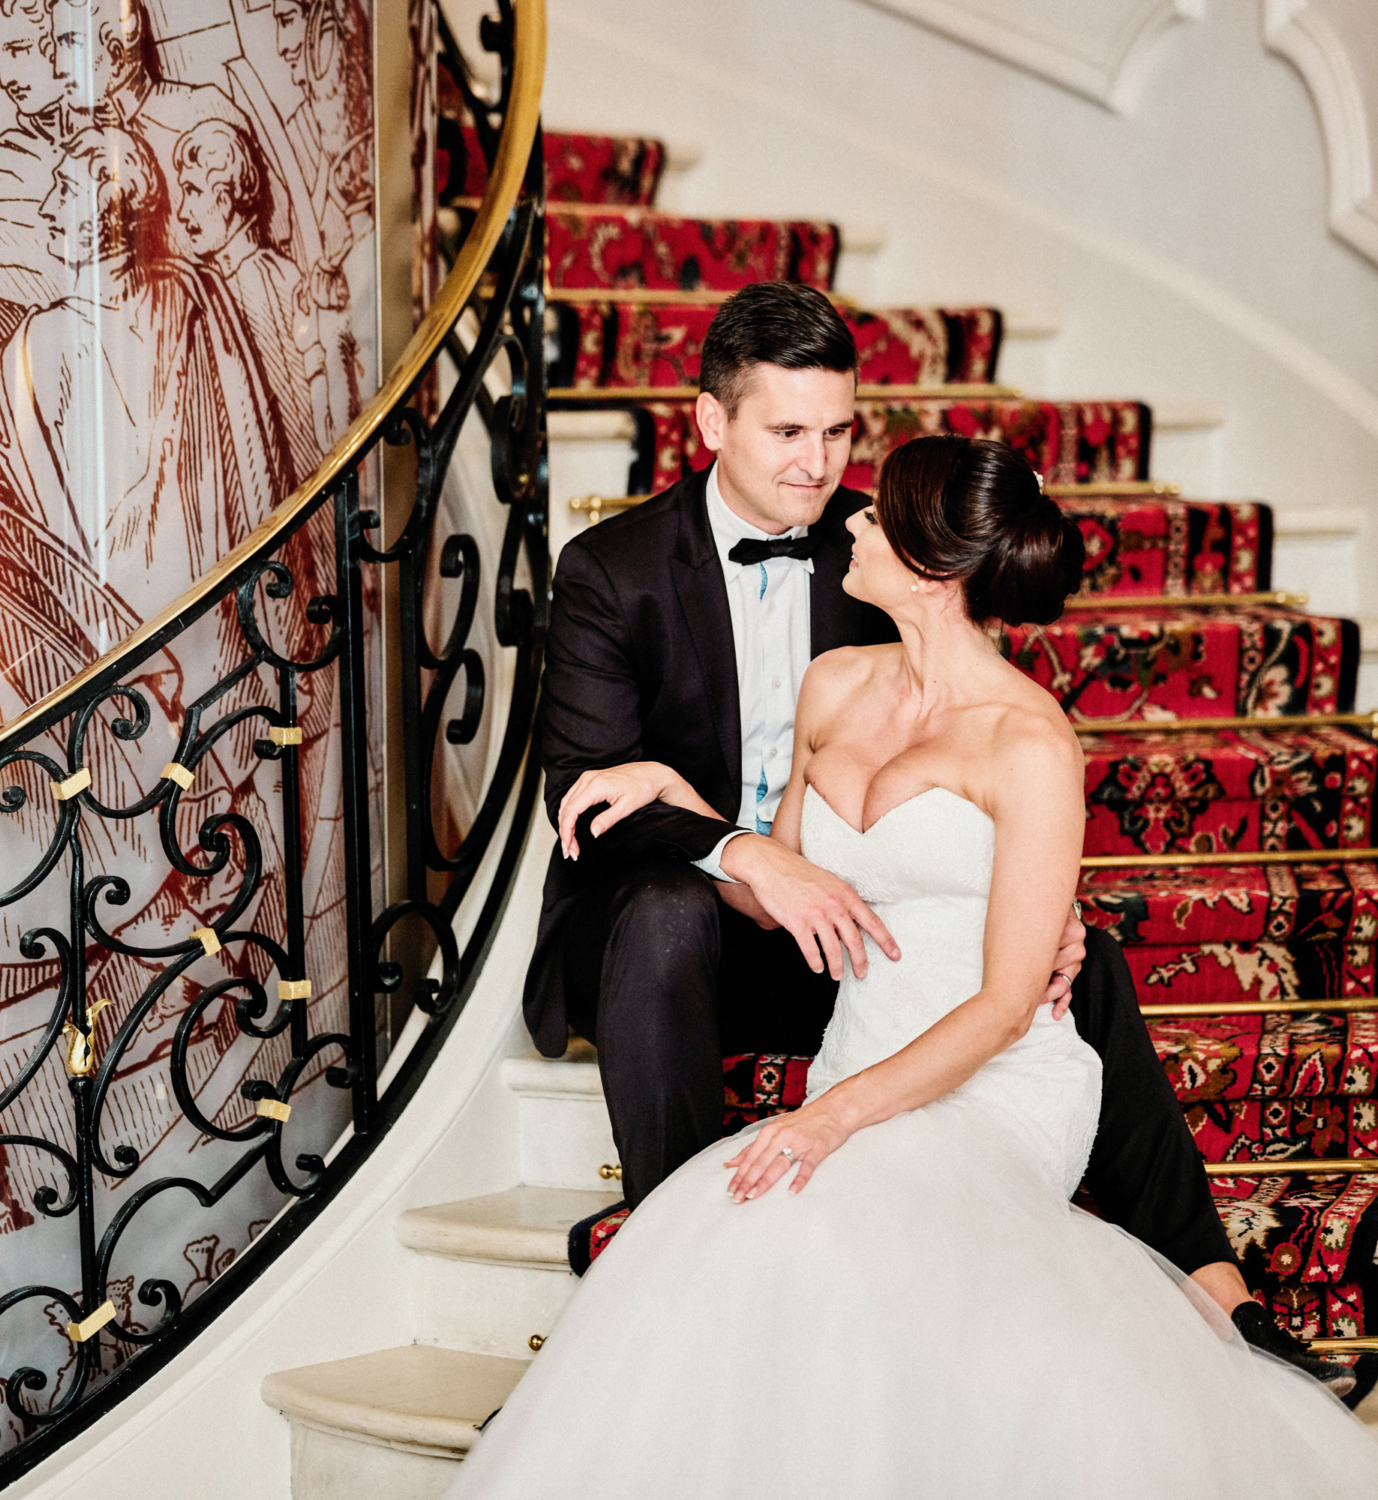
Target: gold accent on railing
273, 1109
869, 392
595, 505
76, 783
81, 1045
178, 773
288, 736
1115, 488
699, 297
1338, 1166
535, 1343
504, 186
608, 1173
209, 940
1274, 722
1343, 1346
294, 989
80, 1332
1279, 597
1357, 1005
1236, 857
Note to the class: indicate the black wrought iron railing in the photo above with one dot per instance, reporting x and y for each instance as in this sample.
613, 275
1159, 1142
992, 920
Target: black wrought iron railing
296, 637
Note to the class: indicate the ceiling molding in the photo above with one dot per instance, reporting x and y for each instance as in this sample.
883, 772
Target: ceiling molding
1315, 44
1112, 69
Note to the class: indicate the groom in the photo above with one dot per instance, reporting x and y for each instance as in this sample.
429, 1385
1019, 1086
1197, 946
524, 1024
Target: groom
680, 633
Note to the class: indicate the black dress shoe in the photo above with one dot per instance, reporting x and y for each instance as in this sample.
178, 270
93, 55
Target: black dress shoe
1263, 1333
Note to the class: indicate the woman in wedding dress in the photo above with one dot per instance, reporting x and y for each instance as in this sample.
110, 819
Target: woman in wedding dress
888, 1293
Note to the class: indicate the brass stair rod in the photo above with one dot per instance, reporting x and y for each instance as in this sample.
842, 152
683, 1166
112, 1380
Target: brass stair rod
1343, 1346
1274, 723
1356, 1005
959, 390
1279, 598
1339, 1166
1257, 857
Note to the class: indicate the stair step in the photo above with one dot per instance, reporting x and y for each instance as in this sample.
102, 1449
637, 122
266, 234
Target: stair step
417, 1398
1157, 545
564, 1131
612, 345
637, 247
1156, 793
1327, 1125
619, 171
1192, 663
525, 1226
1243, 932
1068, 442
1268, 1057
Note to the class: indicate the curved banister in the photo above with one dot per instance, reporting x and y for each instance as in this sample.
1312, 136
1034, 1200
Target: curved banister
500, 195
498, 274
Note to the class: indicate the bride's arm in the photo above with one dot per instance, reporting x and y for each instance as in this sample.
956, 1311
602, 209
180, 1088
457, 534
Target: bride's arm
1035, 798
625, 788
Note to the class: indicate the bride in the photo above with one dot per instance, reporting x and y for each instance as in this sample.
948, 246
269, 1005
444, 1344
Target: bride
888, 1293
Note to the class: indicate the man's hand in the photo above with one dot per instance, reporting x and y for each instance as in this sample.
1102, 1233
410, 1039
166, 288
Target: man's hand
624, 788
1071, 954
819, 909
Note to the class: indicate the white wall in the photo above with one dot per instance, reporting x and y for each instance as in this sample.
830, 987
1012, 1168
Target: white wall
1183, 245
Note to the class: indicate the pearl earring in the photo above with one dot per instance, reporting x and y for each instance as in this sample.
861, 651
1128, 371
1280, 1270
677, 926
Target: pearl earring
913, 588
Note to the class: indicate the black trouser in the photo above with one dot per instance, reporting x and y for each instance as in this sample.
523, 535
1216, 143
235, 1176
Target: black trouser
666, 981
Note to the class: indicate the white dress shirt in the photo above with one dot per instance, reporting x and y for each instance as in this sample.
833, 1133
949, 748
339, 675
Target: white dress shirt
769, 606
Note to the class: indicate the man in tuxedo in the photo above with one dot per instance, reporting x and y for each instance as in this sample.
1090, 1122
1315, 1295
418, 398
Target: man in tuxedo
680, 634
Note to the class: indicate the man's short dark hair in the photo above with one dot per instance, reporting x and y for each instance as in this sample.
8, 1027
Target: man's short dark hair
771, 323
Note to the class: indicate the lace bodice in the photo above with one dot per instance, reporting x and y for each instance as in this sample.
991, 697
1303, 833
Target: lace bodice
925, 870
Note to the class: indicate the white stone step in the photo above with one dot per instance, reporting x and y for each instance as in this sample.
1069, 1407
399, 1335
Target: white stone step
494, 1271
565, 1134
391, 1423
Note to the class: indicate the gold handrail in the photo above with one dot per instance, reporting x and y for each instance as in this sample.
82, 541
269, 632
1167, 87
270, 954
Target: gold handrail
865, 392
504, 185
1279, 597
1273, 722
1228, 857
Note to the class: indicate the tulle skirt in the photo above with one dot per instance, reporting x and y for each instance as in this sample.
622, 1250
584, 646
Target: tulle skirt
928, 1317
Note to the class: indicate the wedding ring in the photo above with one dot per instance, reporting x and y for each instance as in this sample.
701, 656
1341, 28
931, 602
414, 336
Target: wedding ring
786, 1152
1076, 907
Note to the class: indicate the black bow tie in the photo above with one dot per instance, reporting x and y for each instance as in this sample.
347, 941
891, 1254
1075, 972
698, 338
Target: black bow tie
749, 552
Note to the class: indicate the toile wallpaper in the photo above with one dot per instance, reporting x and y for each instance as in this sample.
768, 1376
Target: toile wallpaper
188, 322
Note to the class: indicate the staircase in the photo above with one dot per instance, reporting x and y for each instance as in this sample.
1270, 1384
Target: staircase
1228, 852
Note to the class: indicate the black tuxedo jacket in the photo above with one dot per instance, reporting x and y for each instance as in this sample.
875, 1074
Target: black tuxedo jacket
641, 665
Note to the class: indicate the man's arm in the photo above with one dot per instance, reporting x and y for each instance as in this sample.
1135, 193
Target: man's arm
591, 718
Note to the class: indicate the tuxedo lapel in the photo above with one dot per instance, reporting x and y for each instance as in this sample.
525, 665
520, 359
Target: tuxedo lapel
697, 576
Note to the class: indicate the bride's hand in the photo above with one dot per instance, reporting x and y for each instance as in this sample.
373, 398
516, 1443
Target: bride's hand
624, 788
810, 1133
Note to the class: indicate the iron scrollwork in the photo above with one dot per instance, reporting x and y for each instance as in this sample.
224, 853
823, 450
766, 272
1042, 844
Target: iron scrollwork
252, 907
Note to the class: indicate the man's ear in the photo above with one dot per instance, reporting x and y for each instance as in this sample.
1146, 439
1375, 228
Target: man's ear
712, 419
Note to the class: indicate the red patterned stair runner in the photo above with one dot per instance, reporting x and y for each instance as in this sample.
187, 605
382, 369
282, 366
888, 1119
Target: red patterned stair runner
613, 345
1156, 546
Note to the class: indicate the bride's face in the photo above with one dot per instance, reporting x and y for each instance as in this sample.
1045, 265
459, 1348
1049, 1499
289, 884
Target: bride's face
875, 574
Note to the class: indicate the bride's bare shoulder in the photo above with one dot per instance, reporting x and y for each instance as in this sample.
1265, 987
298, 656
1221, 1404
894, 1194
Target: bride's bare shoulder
846, 670
1030, 739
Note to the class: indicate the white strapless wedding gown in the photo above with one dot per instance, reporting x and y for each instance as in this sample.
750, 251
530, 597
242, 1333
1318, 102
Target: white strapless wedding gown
930, 1317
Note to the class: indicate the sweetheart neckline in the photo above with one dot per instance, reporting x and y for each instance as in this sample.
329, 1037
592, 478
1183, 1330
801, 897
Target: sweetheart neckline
861, 833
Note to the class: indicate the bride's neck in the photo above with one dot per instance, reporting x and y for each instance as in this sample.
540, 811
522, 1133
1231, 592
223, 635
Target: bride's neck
945, 655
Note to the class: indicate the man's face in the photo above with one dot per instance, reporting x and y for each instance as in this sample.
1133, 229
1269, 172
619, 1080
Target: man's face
69, 213
83, 63
25, 74
205, 211
290, 20
781, 457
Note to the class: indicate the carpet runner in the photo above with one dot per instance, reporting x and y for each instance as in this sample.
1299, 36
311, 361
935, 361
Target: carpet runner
591, 247
1210, 792
613, 345
1191, 663
618, 171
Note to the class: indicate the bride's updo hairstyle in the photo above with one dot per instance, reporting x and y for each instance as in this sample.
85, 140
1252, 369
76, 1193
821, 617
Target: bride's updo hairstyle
971, 510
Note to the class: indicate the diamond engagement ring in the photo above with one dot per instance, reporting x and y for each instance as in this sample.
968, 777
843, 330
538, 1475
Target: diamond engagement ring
786, 1152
